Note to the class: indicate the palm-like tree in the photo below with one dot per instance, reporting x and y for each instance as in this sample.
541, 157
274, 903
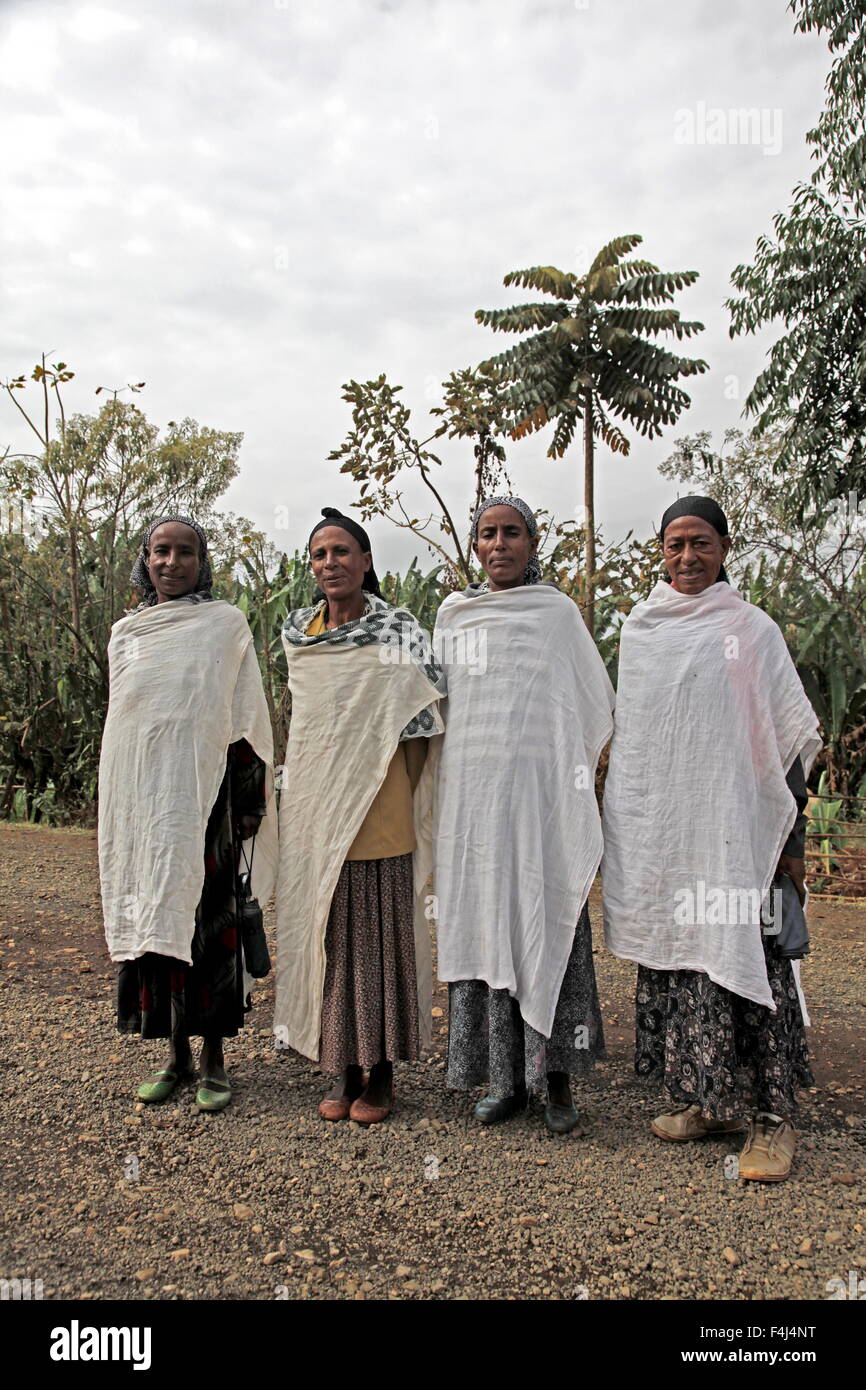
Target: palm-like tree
590, 359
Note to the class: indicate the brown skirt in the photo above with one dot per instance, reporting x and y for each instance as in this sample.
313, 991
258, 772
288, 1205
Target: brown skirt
370, 1001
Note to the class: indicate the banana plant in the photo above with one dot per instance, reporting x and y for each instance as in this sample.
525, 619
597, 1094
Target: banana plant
822, 824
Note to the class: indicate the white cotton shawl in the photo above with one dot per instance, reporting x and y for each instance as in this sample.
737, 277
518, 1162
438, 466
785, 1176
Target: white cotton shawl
710, 717
349, 706
516, 828
184, 684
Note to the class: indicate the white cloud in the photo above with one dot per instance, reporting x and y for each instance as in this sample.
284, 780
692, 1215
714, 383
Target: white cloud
29, 53
95, 24
138, 246
246, 204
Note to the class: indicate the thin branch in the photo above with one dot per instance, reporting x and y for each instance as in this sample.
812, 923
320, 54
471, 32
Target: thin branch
45, 397
30, 719
11, 394
407, 526
100, 665
448, 518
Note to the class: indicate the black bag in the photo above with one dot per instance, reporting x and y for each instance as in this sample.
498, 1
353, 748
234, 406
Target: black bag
787, 921
252, 924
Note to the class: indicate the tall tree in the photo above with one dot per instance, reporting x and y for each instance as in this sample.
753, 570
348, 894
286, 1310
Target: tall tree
811, 276
73, 512
590, 358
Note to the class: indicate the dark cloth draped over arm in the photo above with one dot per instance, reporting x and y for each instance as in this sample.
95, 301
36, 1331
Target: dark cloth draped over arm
247, 780
795, 845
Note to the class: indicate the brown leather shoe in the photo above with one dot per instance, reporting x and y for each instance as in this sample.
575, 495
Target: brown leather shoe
337, 1109
366, 1114
769, 1150
687, 1122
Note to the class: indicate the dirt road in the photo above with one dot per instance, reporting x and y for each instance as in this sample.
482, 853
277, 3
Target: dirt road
104, 1199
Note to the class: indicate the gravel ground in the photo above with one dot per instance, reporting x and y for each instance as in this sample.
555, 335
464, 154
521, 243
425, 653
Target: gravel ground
103, 1198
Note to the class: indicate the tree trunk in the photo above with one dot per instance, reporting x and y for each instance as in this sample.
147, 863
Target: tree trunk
589, 510
8, 803
74, 590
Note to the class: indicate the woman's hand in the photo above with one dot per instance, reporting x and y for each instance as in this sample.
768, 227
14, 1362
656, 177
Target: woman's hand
796, 871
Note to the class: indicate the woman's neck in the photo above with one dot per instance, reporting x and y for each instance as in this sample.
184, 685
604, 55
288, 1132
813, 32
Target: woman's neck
170, 598
344, 610
500, 588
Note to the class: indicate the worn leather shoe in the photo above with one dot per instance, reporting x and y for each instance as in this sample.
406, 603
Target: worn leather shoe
363, 1113
337, 1108
561, 1119
769, 1150
687, 1122
491, 1111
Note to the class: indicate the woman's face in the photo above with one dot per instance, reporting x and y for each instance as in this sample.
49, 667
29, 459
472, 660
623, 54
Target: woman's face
503, 547
173, 560
694, 553
338, 562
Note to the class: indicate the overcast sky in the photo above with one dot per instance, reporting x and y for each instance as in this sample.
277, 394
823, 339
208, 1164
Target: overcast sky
247, 202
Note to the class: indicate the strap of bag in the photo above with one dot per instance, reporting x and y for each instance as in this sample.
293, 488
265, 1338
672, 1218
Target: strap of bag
248, 864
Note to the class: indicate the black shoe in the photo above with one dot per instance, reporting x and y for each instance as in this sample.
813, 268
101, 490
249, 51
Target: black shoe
560, 1119
490, 1110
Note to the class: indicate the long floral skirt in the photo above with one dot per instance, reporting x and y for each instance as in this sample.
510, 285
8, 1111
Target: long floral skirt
490, 1044
706, 1046
370, 1000
160, 997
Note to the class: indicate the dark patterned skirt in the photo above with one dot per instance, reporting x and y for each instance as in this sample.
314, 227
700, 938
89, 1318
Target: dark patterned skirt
490, 1044
370, 999
706, 1046
160, 997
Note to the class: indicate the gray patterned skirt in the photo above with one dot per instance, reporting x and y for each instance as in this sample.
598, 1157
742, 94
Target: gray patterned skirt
370, 1000
490, 1044
706, 1046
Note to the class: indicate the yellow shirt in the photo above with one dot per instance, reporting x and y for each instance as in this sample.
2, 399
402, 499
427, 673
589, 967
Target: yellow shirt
387, 829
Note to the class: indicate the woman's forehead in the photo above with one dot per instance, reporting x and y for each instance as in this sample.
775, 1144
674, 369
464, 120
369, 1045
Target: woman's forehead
690, 526
176, 531
334, 535
503, 514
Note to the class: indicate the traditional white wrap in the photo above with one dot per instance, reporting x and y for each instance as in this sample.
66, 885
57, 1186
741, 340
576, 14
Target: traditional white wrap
349, 706
710, 716
516, 828
184, 684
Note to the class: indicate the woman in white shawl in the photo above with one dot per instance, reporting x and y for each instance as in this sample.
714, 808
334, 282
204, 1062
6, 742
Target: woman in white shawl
703, 802
517, 835
185, 775
354, 958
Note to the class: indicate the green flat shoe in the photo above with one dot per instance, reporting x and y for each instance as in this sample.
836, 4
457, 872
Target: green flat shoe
212, 1095
160, 1085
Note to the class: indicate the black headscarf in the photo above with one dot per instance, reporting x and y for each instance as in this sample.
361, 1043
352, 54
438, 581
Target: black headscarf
331, 517
140, 576
707, 510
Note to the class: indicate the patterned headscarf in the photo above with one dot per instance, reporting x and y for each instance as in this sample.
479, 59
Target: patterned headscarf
532, 573
140, 576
